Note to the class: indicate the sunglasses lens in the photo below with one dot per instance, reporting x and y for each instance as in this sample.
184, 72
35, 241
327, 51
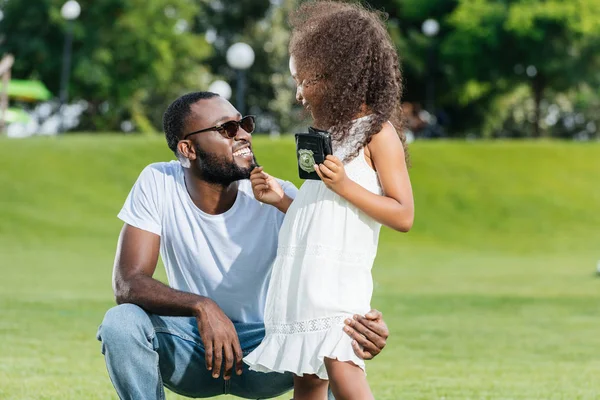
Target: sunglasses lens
230, 128
247, 124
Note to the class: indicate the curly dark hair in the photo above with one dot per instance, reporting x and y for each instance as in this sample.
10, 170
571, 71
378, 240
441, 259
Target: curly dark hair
176, 115
349, 52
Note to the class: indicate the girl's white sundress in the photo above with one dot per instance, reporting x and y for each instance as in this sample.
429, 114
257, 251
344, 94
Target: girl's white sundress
321, 276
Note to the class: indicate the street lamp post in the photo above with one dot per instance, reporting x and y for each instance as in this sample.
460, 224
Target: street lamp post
221, 88
240, 57
431, 28
70, 11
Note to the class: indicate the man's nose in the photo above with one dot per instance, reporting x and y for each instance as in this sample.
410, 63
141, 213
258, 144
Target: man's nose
299, 96
242, 134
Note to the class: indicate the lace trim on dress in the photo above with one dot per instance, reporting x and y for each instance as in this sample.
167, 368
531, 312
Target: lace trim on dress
353, 140
312, 325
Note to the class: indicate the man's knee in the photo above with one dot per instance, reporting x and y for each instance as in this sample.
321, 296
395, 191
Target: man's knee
124, 322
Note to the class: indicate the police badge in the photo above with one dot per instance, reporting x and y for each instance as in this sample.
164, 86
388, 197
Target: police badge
306, 160
311, 149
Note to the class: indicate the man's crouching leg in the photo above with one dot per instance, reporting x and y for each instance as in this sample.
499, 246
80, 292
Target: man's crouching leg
129, 348
146, 352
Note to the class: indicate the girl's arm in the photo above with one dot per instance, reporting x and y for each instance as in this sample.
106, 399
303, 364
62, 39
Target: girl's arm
395, 208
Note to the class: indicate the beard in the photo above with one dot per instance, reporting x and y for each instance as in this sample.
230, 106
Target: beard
221, 170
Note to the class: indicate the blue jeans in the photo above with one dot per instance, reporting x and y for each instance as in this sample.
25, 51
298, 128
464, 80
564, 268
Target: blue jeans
145, 352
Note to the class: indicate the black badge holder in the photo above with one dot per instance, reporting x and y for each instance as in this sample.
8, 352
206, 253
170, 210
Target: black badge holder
311, 149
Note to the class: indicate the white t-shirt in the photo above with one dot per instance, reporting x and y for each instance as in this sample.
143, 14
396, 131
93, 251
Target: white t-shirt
225, 257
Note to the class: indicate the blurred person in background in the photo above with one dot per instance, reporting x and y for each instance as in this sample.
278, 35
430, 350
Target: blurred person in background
420, 124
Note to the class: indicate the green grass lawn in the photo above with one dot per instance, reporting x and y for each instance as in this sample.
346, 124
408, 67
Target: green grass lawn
492, 295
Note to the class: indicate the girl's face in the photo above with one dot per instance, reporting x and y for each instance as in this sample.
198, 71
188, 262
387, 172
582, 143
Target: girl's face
309, 89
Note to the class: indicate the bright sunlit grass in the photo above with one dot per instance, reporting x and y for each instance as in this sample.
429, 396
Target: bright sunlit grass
492, 295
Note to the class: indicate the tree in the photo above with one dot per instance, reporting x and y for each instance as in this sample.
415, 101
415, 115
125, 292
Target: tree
487, 49
263, 26
130, 58
495, 46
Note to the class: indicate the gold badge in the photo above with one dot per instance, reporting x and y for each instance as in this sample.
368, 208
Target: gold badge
306, 160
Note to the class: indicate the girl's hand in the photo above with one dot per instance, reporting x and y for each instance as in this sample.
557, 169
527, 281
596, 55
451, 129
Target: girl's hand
266, 189
333, 174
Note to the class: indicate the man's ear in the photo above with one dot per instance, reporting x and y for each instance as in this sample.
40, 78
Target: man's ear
186, 149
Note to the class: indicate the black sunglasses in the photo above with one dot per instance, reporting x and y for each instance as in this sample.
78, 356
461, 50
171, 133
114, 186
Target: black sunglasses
230, 129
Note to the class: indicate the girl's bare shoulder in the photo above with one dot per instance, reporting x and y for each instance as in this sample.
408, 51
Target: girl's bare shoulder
384, 139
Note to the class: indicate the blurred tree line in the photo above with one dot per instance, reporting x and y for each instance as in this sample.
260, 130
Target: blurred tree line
500, 68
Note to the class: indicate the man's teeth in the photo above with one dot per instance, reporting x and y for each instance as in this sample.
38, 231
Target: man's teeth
243, 152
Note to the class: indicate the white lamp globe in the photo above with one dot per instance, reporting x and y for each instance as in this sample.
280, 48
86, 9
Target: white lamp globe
430, 27
240, 56
221, 88
70, 10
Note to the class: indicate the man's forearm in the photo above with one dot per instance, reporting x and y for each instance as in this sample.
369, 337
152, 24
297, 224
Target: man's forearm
158, 298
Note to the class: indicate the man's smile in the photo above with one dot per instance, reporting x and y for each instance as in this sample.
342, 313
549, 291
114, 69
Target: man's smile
243, 152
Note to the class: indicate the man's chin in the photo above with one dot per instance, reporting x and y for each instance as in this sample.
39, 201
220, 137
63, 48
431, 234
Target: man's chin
246, 172
247, 165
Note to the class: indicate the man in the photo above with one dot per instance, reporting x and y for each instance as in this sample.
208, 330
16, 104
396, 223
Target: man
217, 243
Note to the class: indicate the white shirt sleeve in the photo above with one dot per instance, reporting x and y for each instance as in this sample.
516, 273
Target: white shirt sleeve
288, 188
143, 207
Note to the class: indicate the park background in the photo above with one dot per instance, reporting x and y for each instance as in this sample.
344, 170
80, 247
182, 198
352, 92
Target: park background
492, 295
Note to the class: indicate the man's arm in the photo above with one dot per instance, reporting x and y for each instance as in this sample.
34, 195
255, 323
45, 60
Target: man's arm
369, 332
135, 264
133, 282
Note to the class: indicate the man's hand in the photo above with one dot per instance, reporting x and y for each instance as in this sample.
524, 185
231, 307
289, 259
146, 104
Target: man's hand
220, 339
333, 174
369, 333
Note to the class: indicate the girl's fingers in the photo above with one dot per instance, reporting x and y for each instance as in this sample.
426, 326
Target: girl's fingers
335, 160
326, 171
257, 179
256, 171
318, 171
261, 187
331, 165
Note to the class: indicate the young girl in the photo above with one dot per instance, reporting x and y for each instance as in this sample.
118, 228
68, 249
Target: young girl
347, 74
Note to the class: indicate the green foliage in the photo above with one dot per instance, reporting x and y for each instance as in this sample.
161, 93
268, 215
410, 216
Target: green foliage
273, 36
483, 50
129, 57
492, 295
495, 43
259, 25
